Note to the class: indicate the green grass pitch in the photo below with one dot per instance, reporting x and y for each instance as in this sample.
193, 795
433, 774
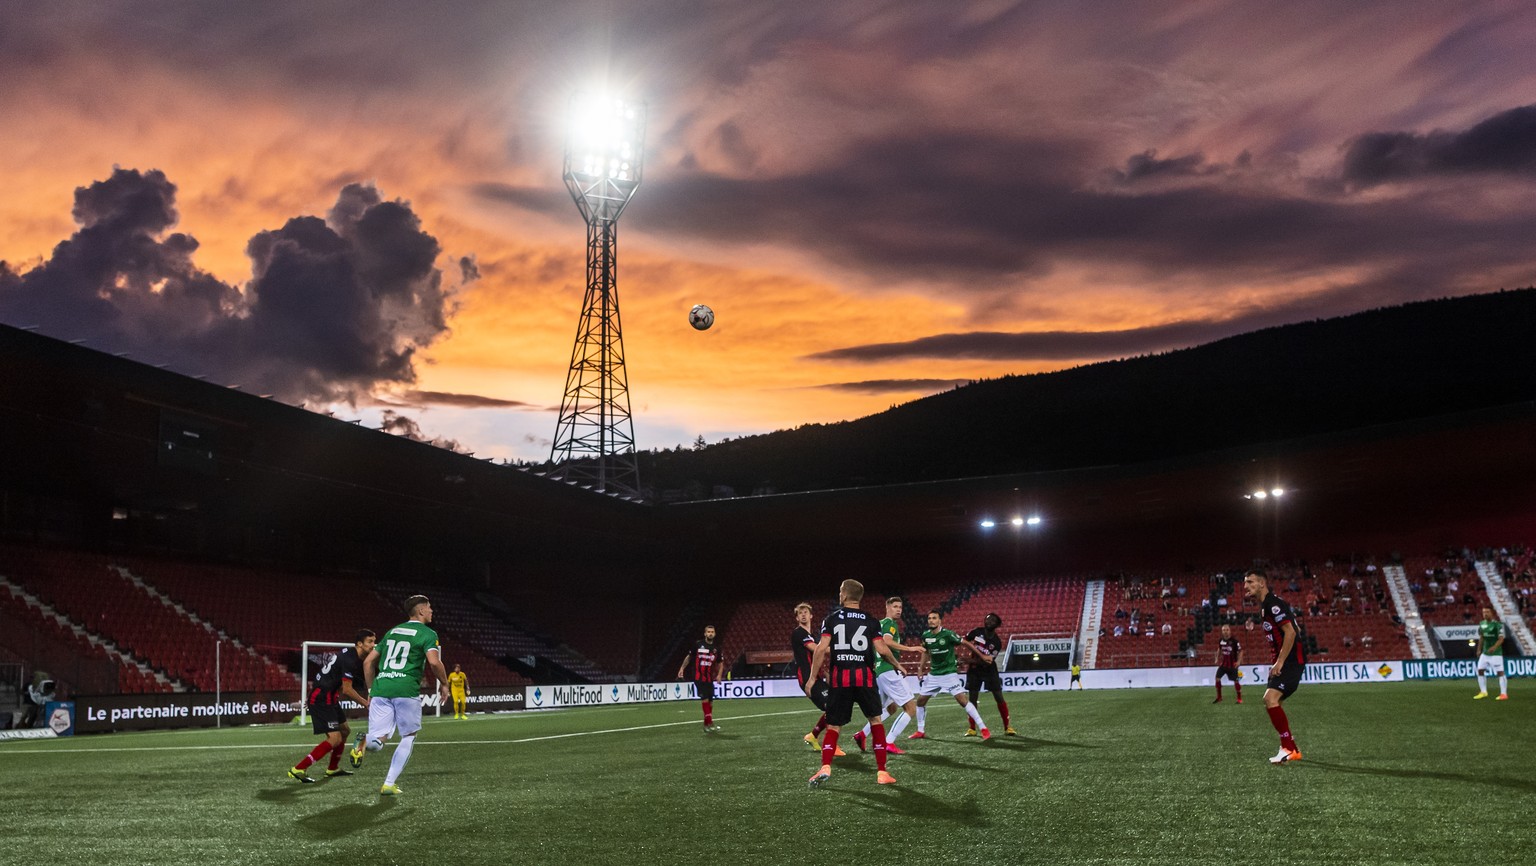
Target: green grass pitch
1398, 773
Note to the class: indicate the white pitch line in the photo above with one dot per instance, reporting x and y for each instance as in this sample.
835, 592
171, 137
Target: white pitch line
5, 751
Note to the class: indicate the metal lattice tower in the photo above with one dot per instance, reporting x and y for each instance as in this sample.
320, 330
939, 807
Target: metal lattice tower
595, 437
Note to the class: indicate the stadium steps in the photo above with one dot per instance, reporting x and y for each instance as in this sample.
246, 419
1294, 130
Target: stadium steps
267, 665
1408, 612
687, 626
1504, 605
1093, 614
469, 624
113, 651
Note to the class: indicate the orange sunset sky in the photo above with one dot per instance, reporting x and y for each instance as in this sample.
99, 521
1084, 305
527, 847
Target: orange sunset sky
878, 200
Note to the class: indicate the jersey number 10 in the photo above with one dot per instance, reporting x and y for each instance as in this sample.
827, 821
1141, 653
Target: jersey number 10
395, 654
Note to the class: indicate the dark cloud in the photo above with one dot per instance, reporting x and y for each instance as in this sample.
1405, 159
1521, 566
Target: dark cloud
334, 307
1502, 144
1096, 345
403, 425
473, 401
895, 386
469, 270
1146, 165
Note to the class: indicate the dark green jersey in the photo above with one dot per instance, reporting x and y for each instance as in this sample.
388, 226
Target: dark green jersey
892, 634
403, 660
941, 651
1490, 630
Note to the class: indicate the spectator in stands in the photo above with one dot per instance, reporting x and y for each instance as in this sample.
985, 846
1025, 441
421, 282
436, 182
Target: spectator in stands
1121, 613
1349, 642
1167, 628
1365, 640
1119, 630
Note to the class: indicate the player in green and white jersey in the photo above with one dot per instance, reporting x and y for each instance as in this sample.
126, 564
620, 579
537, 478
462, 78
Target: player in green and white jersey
892, 680
401, 657
944, 673
1490, 654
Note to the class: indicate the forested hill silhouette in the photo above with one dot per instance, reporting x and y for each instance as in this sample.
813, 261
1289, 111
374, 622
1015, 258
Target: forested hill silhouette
1386, 365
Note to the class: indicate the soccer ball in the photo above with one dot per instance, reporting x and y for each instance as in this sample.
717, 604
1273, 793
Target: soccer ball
701, 317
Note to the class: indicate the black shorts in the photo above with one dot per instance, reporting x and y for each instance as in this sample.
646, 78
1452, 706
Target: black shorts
818, 695
977, 678
706, 689
1289, 679
1077, 677
328, 718
840, 704
1229, 673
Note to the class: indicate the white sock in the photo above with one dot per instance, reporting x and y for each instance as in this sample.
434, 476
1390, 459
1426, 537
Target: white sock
402, 755
922, 719
1503, 684
898, 727
1482, 683
970, 710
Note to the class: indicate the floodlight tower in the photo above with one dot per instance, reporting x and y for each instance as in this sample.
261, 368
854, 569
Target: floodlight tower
595, 437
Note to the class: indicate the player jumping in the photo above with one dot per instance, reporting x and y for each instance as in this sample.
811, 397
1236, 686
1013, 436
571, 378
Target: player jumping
1284, 634
849, 644
334, 681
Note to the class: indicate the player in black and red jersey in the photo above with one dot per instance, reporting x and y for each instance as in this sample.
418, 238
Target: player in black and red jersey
804, 644
1229, 663
1285, 635
335, 680
982, 671
706, 662
850, 641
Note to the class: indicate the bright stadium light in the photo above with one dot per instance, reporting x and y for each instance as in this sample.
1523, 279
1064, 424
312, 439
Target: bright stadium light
1277, 492
1259, 494
988, 523
1017, 521
594, 438
1034, 520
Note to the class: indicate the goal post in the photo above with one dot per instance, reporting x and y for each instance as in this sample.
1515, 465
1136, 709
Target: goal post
318, 653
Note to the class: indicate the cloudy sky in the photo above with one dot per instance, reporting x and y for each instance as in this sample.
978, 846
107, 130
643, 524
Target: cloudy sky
360, 203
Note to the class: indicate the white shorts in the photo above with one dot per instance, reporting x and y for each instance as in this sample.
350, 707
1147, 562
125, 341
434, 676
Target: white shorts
1487, 662
934, 684
893, 688
387, 714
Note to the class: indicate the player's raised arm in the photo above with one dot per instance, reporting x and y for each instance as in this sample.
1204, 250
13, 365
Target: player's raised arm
884, 649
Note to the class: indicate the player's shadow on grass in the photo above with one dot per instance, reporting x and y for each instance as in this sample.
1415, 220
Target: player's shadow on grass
350, 818
915, 804
1014, 742
1525, 785
287, 793
946, 761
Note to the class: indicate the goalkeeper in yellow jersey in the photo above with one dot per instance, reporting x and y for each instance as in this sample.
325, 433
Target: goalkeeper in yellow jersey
458, 687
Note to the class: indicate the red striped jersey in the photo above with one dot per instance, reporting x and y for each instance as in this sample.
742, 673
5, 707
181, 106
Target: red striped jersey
325, 687
706, 656
1227, 651
1276, 613
804, 645
852, 659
